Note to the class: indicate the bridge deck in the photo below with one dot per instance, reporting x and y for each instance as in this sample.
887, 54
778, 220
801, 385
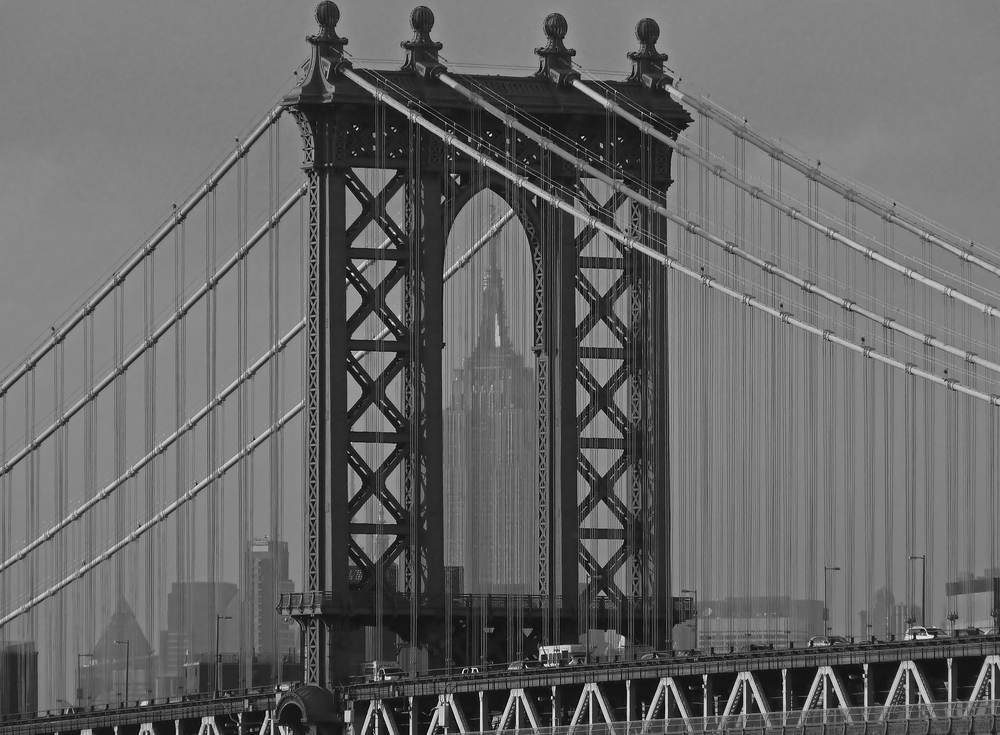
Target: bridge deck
624, 691
680, 665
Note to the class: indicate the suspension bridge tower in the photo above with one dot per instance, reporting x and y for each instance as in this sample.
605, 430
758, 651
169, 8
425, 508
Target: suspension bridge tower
391, 573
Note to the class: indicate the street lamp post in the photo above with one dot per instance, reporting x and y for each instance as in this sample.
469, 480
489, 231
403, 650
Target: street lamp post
826, 597
128, 662
79, 680
923, 587
953, 616
694, 593
218, 652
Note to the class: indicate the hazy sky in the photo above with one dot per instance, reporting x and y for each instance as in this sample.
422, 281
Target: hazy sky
113, 108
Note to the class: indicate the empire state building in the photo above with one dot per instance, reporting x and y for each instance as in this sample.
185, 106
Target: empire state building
490, 463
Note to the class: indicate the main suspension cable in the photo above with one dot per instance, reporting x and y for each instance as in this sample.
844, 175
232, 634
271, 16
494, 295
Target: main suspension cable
60, 333
792, 212
156, 519
776, 150
157, 450
523, 182
731, 247
175, 317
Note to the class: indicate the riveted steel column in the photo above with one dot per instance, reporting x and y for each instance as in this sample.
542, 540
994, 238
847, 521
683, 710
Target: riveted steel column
656, 450
326, 515
560, 258
326, 501
424, 491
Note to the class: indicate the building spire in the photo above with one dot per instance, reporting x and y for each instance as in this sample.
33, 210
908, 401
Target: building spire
493, 334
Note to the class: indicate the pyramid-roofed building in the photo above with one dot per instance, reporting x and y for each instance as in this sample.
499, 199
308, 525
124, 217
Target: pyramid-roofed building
123, 626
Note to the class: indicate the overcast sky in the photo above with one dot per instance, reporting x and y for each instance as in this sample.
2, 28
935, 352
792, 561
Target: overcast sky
112, 108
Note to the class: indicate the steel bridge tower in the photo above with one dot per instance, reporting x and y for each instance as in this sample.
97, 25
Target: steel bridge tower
344, 131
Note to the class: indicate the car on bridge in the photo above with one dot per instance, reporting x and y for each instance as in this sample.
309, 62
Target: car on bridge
818, 641
654, 656
527, 663
971, 632
388, 673
924, 633
689, 653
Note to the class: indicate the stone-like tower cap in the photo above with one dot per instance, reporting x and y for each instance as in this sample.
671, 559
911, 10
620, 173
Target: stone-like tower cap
647, 62
556, 61
421, 50
328, 16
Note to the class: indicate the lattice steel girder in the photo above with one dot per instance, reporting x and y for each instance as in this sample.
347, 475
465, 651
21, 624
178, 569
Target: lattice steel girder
423, 309
635, 487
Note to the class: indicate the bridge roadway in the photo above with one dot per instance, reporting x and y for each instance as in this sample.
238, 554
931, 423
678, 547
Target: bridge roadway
846, 690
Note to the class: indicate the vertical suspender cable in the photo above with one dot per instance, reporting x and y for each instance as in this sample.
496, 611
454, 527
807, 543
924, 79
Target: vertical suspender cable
273, 375
153, 577
91, 530
811, 349
243, 499
31, 488
185, 525
212, 530
6, 508
888, 437
58, 639
124, 580
849, 439
706, 419
970, 457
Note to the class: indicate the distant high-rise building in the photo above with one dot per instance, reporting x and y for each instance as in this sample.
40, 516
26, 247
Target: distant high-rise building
191, 627
270, 634
18, 678
490, 457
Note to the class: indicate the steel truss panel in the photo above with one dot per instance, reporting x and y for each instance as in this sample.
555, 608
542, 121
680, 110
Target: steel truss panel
827, 679
666, 688
909, 686
985, 687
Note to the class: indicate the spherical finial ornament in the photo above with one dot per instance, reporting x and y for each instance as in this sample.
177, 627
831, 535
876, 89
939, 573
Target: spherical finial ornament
555, 26
647, 62
327, 14
422, 19
647, 31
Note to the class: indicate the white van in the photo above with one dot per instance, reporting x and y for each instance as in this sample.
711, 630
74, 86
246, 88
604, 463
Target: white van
565, 654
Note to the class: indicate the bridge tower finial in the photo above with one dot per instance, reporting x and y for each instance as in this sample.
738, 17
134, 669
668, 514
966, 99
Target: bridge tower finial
556, 61
647, 62
327, 57
327, 16
421, 50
